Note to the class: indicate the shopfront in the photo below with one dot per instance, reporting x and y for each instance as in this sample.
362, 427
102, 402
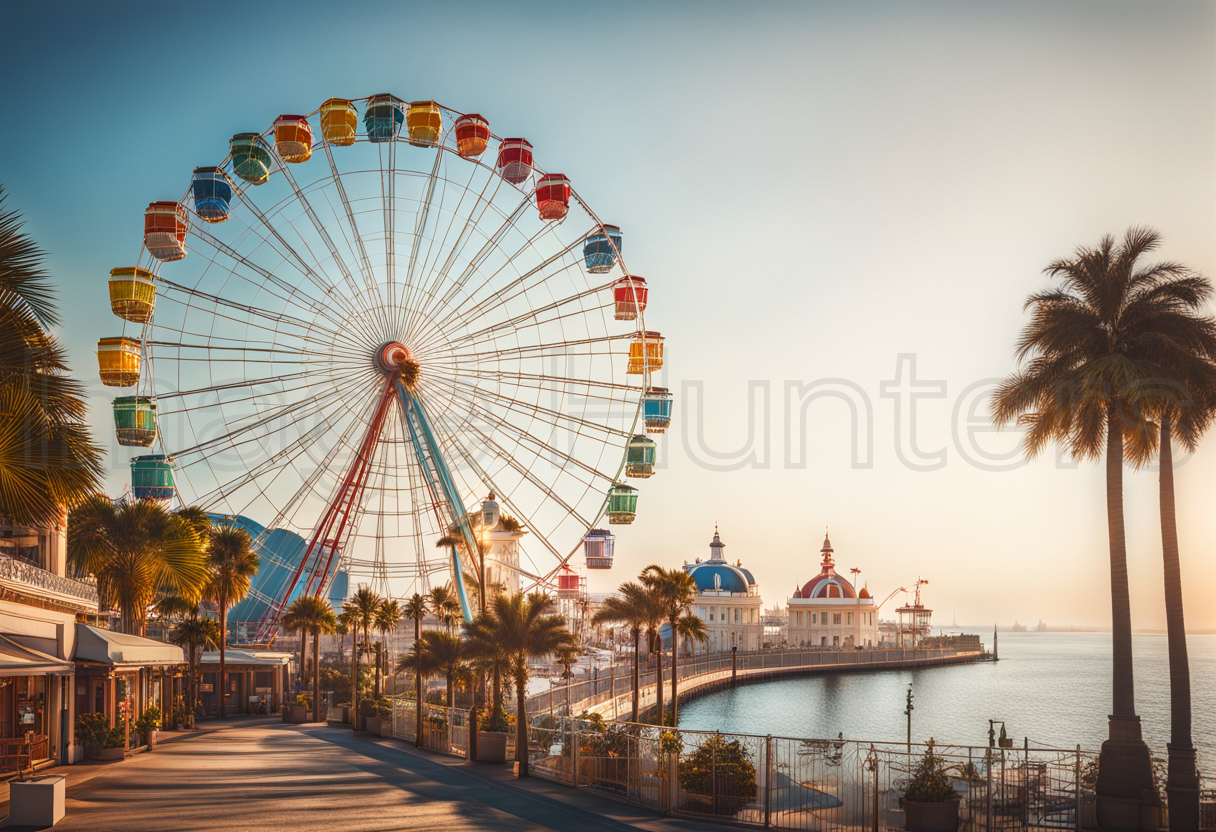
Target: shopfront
29, 680
120, 675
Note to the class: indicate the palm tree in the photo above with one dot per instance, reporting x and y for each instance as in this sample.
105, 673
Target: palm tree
233, 564
362, 607
388, 616
197, 635
415, 609
676, 590
520, 628
291, 622
313, 614
173, 608
47, 460
444, 653
136, 550
1086, 381
567, 656
634, 607
445, 606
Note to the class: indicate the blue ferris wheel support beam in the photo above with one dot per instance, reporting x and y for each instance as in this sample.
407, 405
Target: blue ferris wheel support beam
439, 481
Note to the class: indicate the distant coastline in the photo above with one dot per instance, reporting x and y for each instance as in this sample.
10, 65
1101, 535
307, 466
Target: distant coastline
1008, 628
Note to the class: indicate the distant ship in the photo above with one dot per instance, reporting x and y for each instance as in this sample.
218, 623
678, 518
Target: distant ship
1018, 628
1042, 628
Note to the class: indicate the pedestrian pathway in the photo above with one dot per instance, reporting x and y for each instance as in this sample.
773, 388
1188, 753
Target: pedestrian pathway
265, 775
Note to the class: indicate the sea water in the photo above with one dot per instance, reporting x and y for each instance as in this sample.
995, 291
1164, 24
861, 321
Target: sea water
1053, 688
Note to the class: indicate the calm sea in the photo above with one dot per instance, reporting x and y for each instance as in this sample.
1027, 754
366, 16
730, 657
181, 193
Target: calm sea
1051, 687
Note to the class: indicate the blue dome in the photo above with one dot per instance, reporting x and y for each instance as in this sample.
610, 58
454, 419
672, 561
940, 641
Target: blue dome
730, 578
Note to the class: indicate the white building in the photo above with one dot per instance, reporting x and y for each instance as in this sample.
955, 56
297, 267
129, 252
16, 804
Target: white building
500, 534
728, 601
828, 612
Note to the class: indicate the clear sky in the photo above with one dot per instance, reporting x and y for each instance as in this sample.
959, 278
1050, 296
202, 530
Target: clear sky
812, 190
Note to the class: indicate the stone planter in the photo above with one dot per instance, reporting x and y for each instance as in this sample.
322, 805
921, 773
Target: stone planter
108, 753
295, 713
491, 746
371, 724
931, 817
36, 802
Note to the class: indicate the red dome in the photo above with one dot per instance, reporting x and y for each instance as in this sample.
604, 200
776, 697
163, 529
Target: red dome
828, 585
865, 593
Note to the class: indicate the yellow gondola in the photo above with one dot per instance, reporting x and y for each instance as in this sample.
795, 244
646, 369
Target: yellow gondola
132, 294
645, 353
118, 361
424, 122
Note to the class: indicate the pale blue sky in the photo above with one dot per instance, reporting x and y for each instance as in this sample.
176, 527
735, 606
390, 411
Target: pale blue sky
811, 189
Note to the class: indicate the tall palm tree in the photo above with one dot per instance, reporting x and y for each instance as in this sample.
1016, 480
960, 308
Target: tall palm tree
1183, 348
445, 653
313, 614
136, 550
233, 563
415, 610
635, 607
291, 622
567, 656
48, 463
1086, 381
346, 624
362, 607
387, 618
675, 591
519, 628
197, 634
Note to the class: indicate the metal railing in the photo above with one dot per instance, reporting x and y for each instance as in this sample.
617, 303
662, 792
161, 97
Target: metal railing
20, 572
618, 682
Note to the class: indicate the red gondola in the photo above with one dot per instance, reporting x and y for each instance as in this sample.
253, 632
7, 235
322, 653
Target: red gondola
515, 160
630, 295
553, 196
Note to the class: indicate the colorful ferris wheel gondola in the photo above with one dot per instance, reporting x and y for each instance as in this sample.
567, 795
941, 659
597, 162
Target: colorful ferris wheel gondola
645, 353
251, 158
165, 231
472, 135
339, 122
553, 196
293, 138
640, 456
622, 504
383, 117
135, 421
629, 296
515, 160
656, 409
598, 548
212, 192
601, 249
119, 361
132, 294
152, 477
423, 123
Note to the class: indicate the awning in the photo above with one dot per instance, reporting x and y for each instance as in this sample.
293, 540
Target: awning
119, 649
17, 660
259, 658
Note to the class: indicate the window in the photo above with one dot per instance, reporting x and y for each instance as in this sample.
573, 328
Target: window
836, 639
814, 618
836, 619
736, 615
798, 618
849, 616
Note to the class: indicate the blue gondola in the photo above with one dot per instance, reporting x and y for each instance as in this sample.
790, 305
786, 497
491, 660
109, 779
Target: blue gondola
212, 194
383, 117
656, 409
598, 252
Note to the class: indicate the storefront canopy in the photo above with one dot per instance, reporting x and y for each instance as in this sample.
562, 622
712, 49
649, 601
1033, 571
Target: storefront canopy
17, 660
261, 658
109, 647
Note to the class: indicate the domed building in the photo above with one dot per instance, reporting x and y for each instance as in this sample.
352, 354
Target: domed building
728, 601
827, 611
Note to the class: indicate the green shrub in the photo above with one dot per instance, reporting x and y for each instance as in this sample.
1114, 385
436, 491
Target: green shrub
92, 730
718, 776
116, 738
149, 721
496, 719
929, 782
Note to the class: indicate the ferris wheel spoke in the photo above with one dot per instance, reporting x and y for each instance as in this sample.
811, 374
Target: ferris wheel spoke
531, 318
325, 309
487, 248
368, 274
420, 222
275, 317
323, 233
559, 382
388, 197
554, 418
472, 219
235, 385
203, 404
457, 315
552, 346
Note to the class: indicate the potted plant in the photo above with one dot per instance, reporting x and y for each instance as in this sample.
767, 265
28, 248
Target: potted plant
492, 736
930, 801
148, 723
92, 730
297, 711
113, 747
718, 777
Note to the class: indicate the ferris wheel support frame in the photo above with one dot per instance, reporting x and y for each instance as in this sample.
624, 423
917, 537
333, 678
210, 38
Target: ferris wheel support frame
439, 482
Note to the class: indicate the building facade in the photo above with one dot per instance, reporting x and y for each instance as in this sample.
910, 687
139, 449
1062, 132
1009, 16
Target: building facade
827, 611
728, 601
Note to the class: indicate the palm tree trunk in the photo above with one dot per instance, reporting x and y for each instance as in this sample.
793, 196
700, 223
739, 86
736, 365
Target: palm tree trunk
521, 719
354, 679
303, 660
658, 679
376, 676
451, 691
1182, 779
417, 687
637, 683
675, 660
316, 676
1125, 769
223, 664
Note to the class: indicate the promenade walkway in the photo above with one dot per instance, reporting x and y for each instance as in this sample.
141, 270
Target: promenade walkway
264, 775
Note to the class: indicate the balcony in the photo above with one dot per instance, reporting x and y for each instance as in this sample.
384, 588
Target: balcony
27, 579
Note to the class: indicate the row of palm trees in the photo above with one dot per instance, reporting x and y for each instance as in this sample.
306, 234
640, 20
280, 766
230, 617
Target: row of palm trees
1119, 359
658, 597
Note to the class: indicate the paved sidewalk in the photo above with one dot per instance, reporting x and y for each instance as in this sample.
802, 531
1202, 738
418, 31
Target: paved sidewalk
266, 775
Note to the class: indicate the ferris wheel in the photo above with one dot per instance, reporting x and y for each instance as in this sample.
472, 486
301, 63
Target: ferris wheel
364, 322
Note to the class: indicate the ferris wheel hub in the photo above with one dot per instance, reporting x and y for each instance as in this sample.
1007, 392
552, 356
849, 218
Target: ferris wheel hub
391, 356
